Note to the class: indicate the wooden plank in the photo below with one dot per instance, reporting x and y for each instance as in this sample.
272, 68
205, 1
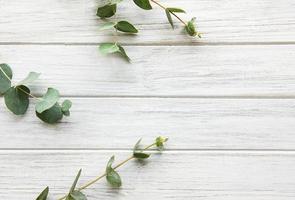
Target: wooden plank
221, 21
158, 71
177, 175
112, 123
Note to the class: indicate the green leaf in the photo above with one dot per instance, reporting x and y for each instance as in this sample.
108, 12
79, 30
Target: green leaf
108, 48
176, 10
112, 176
75, 181
107, 26
191, 28
32, 76
48, 100
76, 195
160, 141
109, 165
5, 78
169, 17
52, 115
172, 10
144, 4
123, 53
138, 153
136, 146
106, 11
126, 27
141, 155
114, 179
44, 194
17, 99
66, 105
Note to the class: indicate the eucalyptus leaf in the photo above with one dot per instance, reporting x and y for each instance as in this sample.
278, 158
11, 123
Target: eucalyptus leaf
176, 10
144, 4
123, 53
108, 25
141, 155
138, 153
48, 100
106, 11
136, 146
191, 28
160, 142
5, 78
109, 164
107, 48
32, 76
66, 105
172, 10
114, 179
169, 17
76, 195
44, 194
17, 99
52, 115
75, 181
126, 27
112, 176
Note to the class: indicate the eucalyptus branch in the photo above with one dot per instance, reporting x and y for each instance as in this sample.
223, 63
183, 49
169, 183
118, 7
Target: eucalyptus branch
112, 176
108, 10
17, 97
182, 21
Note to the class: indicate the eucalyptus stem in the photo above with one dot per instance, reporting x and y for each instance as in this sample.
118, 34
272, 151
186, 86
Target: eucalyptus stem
104, 174
182, 21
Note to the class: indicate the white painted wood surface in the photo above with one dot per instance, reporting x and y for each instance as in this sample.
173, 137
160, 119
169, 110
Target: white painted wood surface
75, 21
264, 70
173, 175
226, 101
192, 124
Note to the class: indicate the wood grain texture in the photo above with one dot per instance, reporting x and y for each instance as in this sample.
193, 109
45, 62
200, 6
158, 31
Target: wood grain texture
223, 21
158, 71
116, 123
172, 175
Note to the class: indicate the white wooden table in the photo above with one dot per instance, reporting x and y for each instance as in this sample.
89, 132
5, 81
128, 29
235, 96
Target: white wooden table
227, 101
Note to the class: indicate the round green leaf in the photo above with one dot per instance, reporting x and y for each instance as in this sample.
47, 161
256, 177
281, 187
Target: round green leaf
48, 100
44, 194
114, 178
17, 99
106, 11
66, 105
32, 76
144, 4
5, 78
76, 195
126, 27
52, 115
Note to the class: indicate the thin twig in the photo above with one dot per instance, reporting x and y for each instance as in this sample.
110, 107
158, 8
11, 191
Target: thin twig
104, 174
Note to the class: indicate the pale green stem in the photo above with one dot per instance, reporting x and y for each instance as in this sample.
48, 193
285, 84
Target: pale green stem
104, 174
